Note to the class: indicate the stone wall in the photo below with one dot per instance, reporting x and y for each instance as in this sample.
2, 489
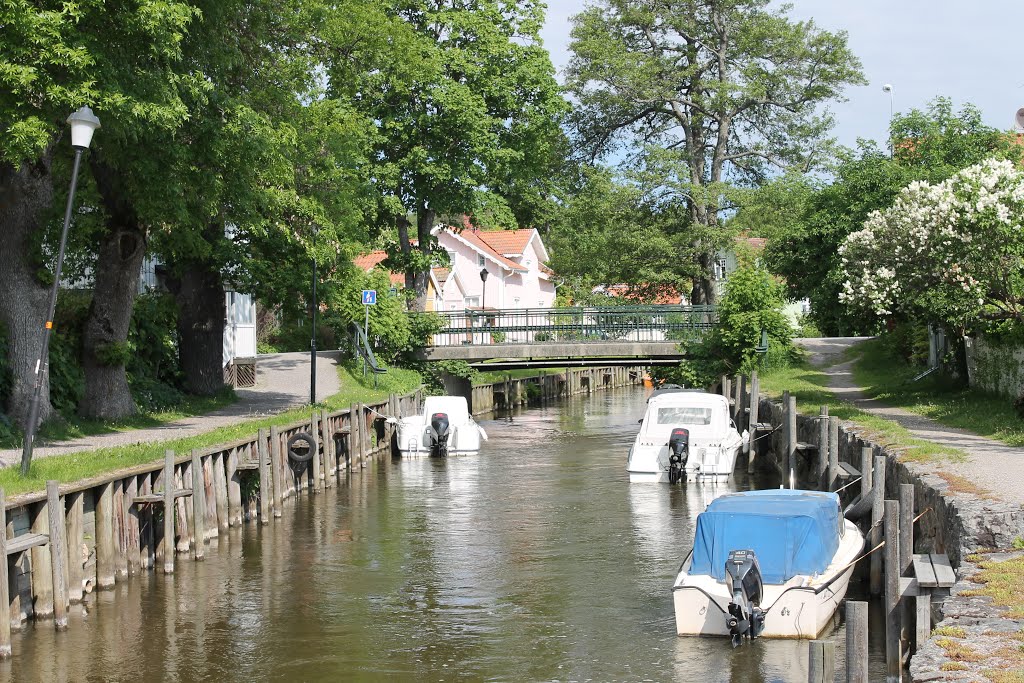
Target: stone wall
995, 366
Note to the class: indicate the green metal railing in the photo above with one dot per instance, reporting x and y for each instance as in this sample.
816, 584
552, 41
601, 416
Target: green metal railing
580, 324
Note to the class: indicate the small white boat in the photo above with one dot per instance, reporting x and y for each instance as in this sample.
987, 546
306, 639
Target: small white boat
771, 563
445, 428
685, 434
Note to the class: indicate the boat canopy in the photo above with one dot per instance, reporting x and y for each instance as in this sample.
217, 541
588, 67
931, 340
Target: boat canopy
790, 532
455, 407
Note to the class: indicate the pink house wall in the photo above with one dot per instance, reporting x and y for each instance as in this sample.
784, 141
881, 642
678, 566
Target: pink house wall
506, 288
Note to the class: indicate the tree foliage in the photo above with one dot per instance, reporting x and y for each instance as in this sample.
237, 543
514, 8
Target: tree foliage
710, 94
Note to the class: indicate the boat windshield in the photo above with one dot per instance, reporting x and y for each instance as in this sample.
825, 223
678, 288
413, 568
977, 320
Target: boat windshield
684, 415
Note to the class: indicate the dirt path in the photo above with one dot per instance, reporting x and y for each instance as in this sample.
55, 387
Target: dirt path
992, 466
282, 382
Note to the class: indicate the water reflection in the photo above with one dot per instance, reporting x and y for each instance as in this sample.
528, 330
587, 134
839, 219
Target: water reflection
535, 560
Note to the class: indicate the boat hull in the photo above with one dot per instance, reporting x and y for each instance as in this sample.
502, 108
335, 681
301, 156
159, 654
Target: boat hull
649, 465
464, 440
800, 608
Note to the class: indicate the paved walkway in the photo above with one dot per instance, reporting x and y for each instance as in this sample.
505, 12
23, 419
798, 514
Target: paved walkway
282, 382
990, 465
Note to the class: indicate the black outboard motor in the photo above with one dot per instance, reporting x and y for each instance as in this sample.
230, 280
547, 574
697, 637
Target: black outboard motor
678, 454
438, 433
745, 615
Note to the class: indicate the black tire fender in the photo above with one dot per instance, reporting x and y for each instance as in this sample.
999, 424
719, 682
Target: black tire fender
295, 438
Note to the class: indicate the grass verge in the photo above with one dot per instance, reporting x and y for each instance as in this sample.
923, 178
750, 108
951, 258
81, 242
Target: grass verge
888, 379
85, 464
810, 386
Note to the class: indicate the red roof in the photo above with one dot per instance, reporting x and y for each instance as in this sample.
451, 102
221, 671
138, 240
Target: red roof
757, 243
475, 239
368, 262
664, 294
507, 242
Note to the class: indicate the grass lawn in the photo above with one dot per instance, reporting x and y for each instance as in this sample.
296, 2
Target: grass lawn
888, 379
75, 466
810, 386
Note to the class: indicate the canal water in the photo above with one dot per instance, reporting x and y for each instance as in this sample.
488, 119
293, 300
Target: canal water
534, 561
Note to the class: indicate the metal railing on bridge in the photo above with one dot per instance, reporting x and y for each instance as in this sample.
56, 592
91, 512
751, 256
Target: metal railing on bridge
575, 325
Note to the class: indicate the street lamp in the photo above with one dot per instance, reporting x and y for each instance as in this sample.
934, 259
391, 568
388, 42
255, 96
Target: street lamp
312, 340
83, 123
483, 297
888, 88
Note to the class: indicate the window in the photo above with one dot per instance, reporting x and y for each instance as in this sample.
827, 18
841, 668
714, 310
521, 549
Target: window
472, 302
481, 261
720, 269
678, 415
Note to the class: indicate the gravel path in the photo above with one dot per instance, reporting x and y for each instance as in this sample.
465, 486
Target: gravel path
990, 465
282, 382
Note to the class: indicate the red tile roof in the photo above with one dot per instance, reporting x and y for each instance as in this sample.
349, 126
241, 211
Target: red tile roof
473, 237
757, 243
664, 294
441, 274
368, 262
507, 242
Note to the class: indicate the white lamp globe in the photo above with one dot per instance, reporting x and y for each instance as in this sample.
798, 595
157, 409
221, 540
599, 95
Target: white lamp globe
83, 123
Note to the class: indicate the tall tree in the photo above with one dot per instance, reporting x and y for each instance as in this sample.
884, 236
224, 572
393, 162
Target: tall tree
717, 90
465, 100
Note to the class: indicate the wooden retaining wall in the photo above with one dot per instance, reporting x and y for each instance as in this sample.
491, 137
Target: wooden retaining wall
92, 535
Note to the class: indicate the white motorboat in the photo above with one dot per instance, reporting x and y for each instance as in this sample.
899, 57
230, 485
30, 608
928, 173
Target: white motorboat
771, 563
685, 434
445, 428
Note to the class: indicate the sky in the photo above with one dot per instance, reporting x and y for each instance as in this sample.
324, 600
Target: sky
967, 51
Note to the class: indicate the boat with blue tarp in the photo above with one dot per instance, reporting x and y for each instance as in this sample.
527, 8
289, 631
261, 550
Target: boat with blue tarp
773, 563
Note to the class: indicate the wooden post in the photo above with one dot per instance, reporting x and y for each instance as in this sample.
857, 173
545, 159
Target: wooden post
122, 530
168, 540
755, 407
132, 526
865, 472
877, 512
148, 549
264, 470
5, 594
906, 527
198, 508
360, 427
105, 563
822, 445
220, 486
725, 386
856, 642
353, 438
276, 468
791, 435
737, 399
741, 403
58, 555
234, 480
821, 662
893, 658
833, 452
76, 537
325, 445
923, 621
317, 471
181, 511
210, 497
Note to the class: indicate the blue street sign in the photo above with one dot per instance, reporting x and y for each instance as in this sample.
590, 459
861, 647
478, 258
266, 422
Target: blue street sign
369, 297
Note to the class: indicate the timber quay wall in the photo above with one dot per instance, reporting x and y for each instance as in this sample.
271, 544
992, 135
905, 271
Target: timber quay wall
955, 524
73, 538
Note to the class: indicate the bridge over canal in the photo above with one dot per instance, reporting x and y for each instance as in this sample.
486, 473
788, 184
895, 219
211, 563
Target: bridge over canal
578, 336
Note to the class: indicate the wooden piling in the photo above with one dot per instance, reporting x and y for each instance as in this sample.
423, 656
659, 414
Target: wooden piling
325, 445
833, 452
353, 438
148, 546
276, 469
856, 642
234, 481
742, 409
105, 561
181, 512
755, 406
821, 662
122, 526
737, 399
317, 471
893, 658
58, 554
791, 436
264, 470
42, 581
865, 472
906, 527
220, 486
877, 513
5, 595
76, 537
198, 508
822, 469
168, 540
132, 529
212, 521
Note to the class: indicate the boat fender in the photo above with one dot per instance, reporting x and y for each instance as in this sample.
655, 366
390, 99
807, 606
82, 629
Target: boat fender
746, 442
297, 454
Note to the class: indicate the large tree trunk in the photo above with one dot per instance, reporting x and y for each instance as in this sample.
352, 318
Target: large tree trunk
25, 195
119, 261
424, 224
199, 293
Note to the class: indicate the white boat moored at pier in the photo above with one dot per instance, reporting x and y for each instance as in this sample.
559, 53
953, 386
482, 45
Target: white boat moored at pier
444, 428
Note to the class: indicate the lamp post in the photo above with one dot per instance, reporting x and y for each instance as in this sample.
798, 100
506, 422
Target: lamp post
483, 295
888, 88
312, 339
83, 123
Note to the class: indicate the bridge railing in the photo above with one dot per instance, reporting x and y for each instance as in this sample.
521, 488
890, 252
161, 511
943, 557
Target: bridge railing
574, 325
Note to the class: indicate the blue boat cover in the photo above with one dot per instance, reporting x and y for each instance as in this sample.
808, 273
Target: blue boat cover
790, 532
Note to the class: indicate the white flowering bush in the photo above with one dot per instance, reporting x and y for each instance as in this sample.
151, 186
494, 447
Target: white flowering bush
951, 252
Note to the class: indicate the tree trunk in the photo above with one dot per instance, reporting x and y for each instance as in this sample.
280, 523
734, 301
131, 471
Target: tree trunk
703, 292
25, 195
199, 294
424, 224
119, 260
402, 223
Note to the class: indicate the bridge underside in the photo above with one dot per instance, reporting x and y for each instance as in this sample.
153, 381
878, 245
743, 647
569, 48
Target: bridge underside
516, 356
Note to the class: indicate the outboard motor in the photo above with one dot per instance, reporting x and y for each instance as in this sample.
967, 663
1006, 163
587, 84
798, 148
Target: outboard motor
678, 454
438, 434
745, 615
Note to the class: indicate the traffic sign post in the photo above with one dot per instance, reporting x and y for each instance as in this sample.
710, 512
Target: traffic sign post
369, 299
